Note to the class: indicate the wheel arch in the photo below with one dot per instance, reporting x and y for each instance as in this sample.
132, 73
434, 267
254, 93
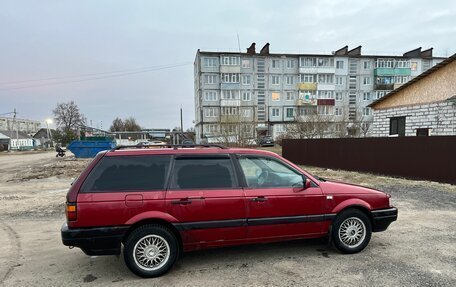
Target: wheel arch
158, 221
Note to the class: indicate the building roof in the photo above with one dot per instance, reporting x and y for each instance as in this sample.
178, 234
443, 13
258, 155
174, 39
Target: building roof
414, 80
12, 134
342, 52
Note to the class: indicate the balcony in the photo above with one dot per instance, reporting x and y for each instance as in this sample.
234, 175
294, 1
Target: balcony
383, 86
317, 70
326, 102
306, 102
230, 86
392, 72
307, 86
230, 103
230, 69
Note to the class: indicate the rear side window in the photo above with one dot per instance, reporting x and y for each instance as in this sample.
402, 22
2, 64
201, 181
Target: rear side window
204, 173
128, 173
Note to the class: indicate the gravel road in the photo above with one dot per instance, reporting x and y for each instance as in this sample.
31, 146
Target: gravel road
417, 250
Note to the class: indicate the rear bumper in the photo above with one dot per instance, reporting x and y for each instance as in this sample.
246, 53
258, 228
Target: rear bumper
94, 241
382, 218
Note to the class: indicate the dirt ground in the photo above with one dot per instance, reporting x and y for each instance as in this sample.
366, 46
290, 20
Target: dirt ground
417, 250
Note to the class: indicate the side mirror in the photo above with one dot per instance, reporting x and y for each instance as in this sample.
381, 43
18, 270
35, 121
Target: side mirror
306, 183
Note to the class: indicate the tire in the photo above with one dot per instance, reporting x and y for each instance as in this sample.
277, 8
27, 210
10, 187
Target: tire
351, 231
157, 245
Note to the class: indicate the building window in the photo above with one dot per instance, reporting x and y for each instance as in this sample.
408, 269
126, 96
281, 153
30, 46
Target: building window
275, 96
230, 60
423, 132
367, 81
210, 112
367, 65
366, 96
210, 79
325, 62
289, 80
275, 112
290, 112
352, 83
290, 63
307, 78
245, 63
339, 96
211, 128
210, 95
275, 80
397, 126
339, 64
367, 112
339, 81
230, 95
401, 79
246, 79
246, 96
230, 111
230, 78
306, 111
403, 63
307, 62
325, 110
246, 113
290, 96
325, 95
384, 63
275, 64
338, 111
325, 78
210, 62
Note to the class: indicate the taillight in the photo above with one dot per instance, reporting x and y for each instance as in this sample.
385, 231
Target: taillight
71, 211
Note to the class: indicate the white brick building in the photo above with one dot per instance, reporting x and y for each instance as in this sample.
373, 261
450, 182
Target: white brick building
424, 106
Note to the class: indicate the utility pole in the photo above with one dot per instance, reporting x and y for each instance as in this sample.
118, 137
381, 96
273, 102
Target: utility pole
182, 127
17, 129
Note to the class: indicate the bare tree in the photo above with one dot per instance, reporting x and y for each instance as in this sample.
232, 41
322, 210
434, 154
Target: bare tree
117, 125
67, 116
129, 124
69, 120
236, 130
312, 125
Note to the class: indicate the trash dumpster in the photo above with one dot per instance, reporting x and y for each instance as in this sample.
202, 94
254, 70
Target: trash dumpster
87, 149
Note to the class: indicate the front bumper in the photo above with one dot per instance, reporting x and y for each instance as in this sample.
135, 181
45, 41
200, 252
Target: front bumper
96, 240
382, 218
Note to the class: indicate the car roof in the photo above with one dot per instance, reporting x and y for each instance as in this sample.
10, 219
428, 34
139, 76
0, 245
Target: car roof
189, 150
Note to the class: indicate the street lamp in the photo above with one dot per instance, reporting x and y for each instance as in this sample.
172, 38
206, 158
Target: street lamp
48, 122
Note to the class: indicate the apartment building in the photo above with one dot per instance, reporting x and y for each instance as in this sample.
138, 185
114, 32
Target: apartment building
29, 127
263, 93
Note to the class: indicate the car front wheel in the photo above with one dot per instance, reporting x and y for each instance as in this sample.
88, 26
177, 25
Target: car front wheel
150, 251
351, 231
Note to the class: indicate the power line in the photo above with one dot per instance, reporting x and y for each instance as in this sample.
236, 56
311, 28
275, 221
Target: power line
132, 72
87, 75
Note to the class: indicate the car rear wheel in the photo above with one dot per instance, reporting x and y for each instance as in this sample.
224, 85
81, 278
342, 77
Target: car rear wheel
351, 231
150, 250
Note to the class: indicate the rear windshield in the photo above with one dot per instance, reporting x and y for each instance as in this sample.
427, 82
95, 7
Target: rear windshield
124, 173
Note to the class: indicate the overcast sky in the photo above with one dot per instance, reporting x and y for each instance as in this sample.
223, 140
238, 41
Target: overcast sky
48, 39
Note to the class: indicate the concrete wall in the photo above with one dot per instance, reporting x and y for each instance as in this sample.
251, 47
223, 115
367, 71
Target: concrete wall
440, 118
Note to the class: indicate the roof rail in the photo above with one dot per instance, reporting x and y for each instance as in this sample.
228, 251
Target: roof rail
175, 146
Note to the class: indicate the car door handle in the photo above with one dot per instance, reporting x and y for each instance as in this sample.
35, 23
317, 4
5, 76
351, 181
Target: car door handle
187, 200
259, 199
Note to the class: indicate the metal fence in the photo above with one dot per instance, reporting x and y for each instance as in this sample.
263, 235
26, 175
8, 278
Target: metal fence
428, 158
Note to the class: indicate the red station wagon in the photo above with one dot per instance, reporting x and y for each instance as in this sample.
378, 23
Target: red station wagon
158, 203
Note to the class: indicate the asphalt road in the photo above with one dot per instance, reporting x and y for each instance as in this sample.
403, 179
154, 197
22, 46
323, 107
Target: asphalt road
417, 250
